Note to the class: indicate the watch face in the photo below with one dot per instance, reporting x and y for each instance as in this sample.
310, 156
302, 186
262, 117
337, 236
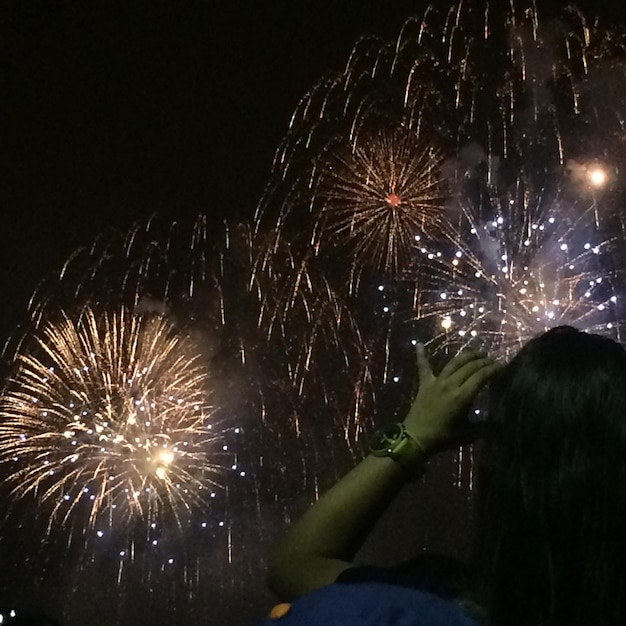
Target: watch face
386, 438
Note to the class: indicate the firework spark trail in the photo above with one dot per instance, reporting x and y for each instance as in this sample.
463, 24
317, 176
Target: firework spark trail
114, 412
317, 352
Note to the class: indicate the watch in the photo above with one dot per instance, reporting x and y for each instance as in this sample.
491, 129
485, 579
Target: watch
394, 441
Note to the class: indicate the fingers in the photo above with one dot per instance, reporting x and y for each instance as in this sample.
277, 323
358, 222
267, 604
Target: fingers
455, 364
423, 366
467, 372
470, 365
478, 377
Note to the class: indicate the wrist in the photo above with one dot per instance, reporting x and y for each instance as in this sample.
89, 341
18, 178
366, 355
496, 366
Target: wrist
398, 444
428, 443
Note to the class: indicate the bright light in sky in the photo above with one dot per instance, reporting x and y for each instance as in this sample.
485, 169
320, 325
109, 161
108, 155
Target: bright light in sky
597, 176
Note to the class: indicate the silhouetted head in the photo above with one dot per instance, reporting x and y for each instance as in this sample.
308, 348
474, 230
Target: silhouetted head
550, 544
550, 536
565, 391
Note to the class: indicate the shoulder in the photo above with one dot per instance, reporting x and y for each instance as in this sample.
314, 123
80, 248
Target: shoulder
434, 573
371, 604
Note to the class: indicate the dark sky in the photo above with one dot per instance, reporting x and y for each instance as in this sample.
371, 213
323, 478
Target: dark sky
116, 112
113, 111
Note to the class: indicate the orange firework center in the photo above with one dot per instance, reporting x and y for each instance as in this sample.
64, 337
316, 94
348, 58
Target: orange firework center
393, 199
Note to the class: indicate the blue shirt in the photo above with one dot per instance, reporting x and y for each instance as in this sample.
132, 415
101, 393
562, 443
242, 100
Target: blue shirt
418, 593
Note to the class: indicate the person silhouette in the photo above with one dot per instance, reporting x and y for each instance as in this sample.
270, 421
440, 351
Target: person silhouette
549, 542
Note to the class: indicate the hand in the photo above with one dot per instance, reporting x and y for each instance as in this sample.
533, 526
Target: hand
438, 417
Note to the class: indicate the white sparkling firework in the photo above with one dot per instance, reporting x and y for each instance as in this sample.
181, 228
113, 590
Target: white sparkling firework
525, 263
107, 419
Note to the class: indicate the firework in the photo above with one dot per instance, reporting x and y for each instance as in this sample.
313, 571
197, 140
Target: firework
270, 327
511, 224
526, 263
466, 92
379, 194
109, 417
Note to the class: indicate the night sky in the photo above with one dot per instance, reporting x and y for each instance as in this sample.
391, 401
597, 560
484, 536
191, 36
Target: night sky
112, 112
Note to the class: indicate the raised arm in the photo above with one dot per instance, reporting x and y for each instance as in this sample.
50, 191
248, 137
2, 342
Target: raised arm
323, 542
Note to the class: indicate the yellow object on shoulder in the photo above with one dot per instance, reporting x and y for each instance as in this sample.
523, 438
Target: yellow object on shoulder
280, 610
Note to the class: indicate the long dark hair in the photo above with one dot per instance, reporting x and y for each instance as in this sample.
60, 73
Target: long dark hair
550, 544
